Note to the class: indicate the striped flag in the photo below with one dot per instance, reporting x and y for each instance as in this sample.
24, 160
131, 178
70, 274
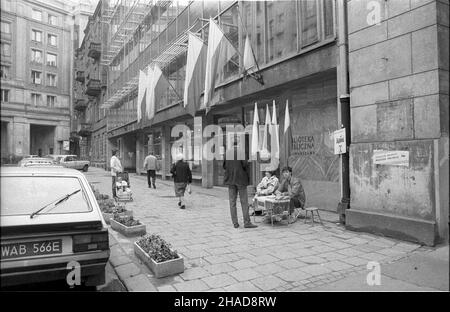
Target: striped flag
264, 151
195, 74
141, 93
149, 95
255, 134
249, 58
219, 52
287, 133
159, 89
275, 142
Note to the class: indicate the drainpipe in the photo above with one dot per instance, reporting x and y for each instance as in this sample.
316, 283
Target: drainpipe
343, 105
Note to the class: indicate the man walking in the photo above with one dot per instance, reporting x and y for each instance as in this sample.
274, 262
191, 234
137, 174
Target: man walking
151, 166
116, 167
237, 179
182, 178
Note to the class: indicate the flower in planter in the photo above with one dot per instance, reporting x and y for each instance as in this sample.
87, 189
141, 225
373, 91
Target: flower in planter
126, 220
157, 248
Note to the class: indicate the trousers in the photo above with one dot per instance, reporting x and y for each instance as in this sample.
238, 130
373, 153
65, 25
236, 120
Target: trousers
233, 191
151, 174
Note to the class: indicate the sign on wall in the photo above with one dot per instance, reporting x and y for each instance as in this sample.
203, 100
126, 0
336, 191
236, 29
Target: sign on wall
393, 158
66, 146
340, 146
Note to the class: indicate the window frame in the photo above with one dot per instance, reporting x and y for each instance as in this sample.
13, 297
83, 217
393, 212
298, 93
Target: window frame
56, 59
32, 56
4, 92
36, 99
49, 18
54, 100
49, 41
36, 11
2, 44
40, 79
55, 79
36, 31
9, 26
8, 70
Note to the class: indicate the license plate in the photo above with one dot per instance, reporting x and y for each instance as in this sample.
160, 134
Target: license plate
30, 249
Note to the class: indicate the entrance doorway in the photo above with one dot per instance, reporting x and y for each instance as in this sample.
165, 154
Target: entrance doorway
42, 139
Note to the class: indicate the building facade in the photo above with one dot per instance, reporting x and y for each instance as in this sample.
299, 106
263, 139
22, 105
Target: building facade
376, 68
36, 81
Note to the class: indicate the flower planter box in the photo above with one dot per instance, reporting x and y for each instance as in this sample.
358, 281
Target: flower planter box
136, 230
160, 269
110, 216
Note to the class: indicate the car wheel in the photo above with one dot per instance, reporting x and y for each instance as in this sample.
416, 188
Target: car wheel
85, 168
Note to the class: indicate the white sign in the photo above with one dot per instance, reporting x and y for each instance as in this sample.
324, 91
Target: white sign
66, 145
393, 158
340, 146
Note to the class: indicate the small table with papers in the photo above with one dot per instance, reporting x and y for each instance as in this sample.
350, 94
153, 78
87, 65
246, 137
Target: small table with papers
274, 206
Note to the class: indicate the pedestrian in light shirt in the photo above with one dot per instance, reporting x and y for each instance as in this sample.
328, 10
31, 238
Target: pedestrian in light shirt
116, 167
151, 165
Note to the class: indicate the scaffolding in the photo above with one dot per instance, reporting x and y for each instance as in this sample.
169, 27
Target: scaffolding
172, 51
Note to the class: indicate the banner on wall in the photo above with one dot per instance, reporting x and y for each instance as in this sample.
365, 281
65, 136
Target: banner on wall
393, 158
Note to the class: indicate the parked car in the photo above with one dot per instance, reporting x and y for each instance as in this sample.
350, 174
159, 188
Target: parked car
36, 161
57, 158
72, 161
49, 218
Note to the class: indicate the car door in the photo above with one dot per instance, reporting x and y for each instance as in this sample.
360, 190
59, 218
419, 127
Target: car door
68, 162
76, 163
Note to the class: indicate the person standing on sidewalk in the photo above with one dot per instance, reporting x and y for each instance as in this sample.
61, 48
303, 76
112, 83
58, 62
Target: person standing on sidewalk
182, 178
116, 167
237, 178
151, 166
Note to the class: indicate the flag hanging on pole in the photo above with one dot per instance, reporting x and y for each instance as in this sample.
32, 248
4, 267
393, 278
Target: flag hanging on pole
219, 52
160, 86
275, 143
255, 134
141, 93
195, 74
265, 154
249, 58
287, 133
149, 98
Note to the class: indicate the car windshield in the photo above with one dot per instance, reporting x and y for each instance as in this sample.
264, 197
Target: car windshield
24, 195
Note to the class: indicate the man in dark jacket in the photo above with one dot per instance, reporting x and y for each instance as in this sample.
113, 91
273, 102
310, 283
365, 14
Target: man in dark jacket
293, 188
237, 179
182, 177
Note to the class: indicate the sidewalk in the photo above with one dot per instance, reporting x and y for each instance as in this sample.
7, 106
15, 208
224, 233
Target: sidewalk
219, 257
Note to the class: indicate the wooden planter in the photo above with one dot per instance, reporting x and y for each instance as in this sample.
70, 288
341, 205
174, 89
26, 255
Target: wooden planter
136, 230
109, 216
160, 269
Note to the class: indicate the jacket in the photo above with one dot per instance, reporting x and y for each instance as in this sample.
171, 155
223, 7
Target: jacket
267, 185
181, 172
293, 187
116, 166
151, 163
236, 172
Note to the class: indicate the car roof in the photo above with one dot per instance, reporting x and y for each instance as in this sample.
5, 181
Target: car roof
39, 170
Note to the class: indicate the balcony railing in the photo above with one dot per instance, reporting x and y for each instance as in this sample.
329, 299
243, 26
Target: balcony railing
84, 129
93, 87
80, 104
94, 50
80, 76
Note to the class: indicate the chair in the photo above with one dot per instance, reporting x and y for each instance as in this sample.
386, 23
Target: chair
311, 210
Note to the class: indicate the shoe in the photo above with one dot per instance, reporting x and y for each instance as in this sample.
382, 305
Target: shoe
250, 226
236, 225
183, 207
154, 186
179, 203
149, 186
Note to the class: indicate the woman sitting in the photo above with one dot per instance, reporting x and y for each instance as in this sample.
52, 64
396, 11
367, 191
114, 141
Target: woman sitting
266, 187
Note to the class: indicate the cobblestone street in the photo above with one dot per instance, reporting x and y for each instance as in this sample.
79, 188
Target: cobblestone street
219, 257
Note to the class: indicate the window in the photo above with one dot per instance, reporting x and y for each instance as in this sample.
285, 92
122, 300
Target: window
52, 20
6, 5
282, 29
309, 23
36, 99
4, 95
51, 40
6, 49
51, 59
51, 100
37, 15
6, 28
4, 71
36, 56
36, 77
51, 80
36, 35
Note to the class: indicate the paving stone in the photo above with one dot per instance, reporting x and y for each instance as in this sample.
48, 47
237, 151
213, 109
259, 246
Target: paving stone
268, 283
304, 252
219, 268
298, 288
194, 273
125, 271
194, 285
313, 260
119, 260
242, 287
139, 283
269, 268
350, 252
166, 288
333, 256
284, 255
264, 259
355, 261
220, 280
337, 265
356, 241
315, 269
295, 275
242, 264
291, 263
373, 256
245, 274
